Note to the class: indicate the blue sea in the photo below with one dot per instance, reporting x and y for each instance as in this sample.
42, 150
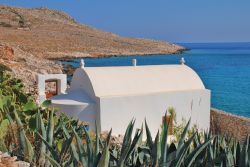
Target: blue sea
223, 67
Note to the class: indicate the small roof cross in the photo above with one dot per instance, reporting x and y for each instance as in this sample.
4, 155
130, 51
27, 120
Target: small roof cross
82, 63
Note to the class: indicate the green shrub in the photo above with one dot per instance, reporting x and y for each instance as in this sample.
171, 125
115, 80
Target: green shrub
4, 68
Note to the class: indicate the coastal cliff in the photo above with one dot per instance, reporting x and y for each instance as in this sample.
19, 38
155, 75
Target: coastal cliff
31, 38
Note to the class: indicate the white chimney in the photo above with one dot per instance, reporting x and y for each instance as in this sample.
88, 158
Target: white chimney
134, 62
182, 61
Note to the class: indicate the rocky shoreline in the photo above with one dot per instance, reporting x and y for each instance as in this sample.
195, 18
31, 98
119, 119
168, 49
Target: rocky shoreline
69, 58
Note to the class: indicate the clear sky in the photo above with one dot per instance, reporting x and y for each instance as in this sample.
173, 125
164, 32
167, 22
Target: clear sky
171, 20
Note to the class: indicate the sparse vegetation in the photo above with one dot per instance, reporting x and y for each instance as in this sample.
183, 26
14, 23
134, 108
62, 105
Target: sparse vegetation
5, 24
4, 68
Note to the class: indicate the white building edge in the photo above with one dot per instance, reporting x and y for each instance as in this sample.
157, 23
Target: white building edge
112, 96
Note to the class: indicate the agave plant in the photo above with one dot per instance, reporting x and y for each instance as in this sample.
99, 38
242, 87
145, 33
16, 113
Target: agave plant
225, 151
10, 85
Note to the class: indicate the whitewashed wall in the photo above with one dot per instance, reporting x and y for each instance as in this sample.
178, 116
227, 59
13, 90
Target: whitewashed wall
41, 78
116, 112
86, 113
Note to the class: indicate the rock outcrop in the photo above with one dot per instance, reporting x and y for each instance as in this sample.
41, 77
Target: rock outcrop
7, 161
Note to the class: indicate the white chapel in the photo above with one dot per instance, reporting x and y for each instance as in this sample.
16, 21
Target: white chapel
113, 96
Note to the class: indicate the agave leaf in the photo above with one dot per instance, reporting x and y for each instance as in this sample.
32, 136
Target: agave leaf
98, 157
104, 160
210, 153
215, 146
140, 157
52, 161
89, 148
40, 127
113, 157
170, 158
171, 153
58, 128
3, 146
135, 143
183, 135
65, 148
234, 148
198, 139
229, 159
6, 111
30, 107
195, 142
80, 149
24, 141
149, 137
97, 142
32, 123
181, 152
156, 150
51, 149
50, 129
3, 101
46, 104
244, 153
140, 139
126, 143
164, 145
196, 152
68, 136
71, 162
4, 128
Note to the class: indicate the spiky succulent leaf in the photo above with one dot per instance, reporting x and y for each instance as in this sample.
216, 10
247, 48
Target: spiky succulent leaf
149, 137
53, 152
104, 160
90, 147
65, 148
164, 145
126, 143
80, 148
72, 146
196, 152
26, 146
50, 129
41, 129
52, 161
183, 136
46, 104
181, 152
97, 142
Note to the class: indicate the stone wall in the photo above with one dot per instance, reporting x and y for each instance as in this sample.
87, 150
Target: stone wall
225, 123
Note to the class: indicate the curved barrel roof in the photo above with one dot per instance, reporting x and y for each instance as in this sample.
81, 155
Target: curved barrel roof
134, 80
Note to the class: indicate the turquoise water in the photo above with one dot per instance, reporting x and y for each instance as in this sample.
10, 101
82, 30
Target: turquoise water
224, 69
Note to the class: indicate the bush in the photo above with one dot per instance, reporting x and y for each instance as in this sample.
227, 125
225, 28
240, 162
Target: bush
4, 68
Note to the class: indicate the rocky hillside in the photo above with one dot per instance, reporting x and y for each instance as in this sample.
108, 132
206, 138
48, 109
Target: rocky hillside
31, 38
